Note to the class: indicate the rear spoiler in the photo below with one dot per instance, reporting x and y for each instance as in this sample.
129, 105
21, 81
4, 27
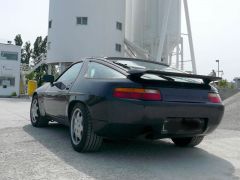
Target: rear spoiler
137, 73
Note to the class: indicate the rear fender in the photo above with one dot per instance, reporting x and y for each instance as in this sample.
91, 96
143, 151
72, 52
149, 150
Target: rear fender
75, 98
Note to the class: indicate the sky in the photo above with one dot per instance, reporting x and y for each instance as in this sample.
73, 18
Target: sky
216, 35
26, 17
215, 27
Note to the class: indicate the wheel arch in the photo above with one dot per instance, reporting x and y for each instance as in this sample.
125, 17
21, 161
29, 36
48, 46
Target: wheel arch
71, 106
34, 94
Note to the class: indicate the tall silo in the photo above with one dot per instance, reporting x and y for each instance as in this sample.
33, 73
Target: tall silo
154, 26
85, 28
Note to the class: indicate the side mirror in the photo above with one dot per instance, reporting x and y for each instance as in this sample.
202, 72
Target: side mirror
48, 78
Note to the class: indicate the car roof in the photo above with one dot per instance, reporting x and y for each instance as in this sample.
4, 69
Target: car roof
107, 59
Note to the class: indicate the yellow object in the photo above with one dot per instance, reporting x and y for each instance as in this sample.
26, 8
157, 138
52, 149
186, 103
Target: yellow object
32, 86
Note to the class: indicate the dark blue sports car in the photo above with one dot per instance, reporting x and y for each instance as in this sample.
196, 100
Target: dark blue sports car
125, 98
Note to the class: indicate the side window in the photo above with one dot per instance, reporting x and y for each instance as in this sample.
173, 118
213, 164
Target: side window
71, 74
99, 71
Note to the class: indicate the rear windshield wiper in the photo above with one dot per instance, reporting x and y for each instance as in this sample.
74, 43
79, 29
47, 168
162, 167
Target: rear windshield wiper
165, 77
161, 76
129, 67
121, 64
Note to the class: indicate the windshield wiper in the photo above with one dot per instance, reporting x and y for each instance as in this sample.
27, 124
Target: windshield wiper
121, 64
161, 76
165, 77
129, 67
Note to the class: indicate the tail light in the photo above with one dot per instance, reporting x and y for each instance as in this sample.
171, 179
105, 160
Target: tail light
138, 93
214, 98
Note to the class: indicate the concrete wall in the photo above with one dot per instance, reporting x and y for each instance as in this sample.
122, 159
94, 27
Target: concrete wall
237, 83
226, 93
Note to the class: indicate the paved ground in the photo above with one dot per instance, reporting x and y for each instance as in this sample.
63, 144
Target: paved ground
30, 153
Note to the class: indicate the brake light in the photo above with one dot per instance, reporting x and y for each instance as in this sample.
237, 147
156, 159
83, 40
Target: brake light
137, 93
214, 98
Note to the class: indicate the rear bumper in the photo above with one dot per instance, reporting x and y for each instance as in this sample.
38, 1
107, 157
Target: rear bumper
159, 119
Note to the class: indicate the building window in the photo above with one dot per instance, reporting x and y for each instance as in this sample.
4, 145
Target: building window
119, 26
50, 24
82, 20
7, 81
12, 56
118, 47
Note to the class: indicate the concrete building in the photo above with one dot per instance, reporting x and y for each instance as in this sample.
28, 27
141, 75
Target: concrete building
148, 29
85, 28
10, 57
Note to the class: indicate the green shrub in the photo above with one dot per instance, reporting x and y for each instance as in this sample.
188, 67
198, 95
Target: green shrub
14, 94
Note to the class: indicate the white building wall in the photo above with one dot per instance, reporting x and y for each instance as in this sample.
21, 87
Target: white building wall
68, 42
9, 69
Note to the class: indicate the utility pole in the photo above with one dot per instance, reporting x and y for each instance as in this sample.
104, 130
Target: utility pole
218, 71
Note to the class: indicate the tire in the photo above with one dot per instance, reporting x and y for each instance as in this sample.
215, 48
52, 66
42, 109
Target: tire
83, 138
36, 119
188, 141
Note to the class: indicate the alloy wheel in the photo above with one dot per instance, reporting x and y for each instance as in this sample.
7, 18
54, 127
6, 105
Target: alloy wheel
34, 110
77, 126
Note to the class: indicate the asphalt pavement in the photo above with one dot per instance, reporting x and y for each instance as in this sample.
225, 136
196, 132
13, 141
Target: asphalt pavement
28, 153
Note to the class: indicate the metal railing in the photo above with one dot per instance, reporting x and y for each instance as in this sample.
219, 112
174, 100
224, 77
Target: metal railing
26, 69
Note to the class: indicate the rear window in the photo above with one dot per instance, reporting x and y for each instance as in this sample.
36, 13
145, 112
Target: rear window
100, 71
147, 65
135, 64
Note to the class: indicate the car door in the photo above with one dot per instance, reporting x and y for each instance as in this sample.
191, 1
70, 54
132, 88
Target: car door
57, 94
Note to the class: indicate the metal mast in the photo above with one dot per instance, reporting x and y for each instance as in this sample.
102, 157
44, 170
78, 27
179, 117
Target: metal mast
190, 39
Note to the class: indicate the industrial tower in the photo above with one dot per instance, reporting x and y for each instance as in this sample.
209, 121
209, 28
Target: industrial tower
149, 29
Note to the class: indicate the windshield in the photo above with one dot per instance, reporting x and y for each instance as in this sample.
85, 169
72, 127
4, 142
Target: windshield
137, 64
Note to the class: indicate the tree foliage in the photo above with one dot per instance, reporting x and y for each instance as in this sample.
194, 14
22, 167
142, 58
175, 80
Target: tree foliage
39, 48
30, 76
30, 54
223, 84
44, 45
27, 53
18, 40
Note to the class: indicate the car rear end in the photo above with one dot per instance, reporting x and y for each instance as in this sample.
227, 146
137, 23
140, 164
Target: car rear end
162, 105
